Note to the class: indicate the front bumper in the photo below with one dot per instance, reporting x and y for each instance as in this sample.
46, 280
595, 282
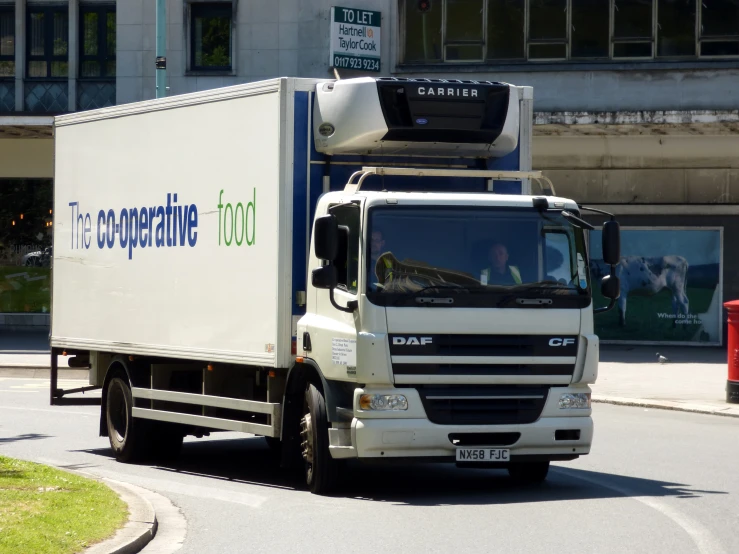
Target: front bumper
409, 434
404, 438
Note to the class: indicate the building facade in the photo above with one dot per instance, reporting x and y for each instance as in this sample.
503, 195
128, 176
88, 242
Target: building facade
637, 112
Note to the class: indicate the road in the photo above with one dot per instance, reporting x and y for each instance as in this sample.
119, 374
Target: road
657, 481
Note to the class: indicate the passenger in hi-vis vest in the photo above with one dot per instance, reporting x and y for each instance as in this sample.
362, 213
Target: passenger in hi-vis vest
383, 272
499, 272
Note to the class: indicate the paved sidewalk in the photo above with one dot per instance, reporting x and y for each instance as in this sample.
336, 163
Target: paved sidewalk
694, 379
26, 350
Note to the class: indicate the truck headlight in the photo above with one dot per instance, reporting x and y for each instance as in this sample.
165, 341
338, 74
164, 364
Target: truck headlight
383, 402
574, 401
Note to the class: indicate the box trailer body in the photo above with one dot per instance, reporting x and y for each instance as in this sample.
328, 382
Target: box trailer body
217, 159
185, 241
141, 239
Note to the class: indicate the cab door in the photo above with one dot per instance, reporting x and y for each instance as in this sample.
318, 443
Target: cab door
333, 332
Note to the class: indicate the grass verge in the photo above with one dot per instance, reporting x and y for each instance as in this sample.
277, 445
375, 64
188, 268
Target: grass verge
48, 511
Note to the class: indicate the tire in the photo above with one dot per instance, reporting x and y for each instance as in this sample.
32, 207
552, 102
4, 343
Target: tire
321, 470
128, 436
529, 473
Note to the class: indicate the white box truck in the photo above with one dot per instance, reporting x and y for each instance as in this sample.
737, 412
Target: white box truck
354, 269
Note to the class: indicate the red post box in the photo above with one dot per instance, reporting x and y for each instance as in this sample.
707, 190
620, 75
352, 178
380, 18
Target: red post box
732, 383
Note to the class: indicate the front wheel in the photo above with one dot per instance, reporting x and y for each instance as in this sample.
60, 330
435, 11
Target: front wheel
321, 470
529, 473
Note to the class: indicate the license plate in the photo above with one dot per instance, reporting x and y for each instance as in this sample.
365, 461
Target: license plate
483, 455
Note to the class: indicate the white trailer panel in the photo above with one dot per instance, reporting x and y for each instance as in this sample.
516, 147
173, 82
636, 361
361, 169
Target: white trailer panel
172, 229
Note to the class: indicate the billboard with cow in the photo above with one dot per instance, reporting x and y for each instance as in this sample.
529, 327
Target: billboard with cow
670, 286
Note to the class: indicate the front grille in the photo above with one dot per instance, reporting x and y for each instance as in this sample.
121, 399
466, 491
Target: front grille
483, 405
484, 370
482, 345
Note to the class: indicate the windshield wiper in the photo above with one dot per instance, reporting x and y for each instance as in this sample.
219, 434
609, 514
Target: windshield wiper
415, 294
516, 292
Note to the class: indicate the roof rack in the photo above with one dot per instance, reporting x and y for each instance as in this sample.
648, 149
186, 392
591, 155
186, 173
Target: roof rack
352, 187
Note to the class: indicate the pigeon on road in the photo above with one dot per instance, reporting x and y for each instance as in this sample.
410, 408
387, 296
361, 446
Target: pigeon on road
661, 358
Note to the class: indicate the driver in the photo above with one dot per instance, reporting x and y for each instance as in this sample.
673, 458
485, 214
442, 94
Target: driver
500, 272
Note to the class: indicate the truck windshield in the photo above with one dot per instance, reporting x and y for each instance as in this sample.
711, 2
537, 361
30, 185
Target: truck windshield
474, 256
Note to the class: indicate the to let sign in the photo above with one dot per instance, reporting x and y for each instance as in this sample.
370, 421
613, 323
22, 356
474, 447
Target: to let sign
355, 39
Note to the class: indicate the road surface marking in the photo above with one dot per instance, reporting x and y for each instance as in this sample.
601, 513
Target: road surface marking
47, 384
703, 538
44, 380
61, 411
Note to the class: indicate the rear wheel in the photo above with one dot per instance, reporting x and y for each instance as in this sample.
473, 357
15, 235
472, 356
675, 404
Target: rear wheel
321, 470
128, 437
529, 473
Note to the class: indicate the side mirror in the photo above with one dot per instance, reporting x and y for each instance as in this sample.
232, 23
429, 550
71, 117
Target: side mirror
326, 238
610, 287
611, 242
325, 277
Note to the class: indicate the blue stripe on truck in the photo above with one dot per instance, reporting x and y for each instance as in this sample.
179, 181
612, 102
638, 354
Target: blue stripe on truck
300, 197
509, 162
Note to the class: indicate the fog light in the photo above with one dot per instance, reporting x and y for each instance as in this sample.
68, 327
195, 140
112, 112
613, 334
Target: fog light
575, 401
384, 402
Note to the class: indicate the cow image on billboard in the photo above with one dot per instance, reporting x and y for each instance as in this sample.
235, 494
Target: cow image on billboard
670, 286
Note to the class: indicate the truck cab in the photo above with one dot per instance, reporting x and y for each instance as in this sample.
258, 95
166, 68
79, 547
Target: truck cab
465, 322
460, 322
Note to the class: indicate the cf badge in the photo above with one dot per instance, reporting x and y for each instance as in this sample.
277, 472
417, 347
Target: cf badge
561, 342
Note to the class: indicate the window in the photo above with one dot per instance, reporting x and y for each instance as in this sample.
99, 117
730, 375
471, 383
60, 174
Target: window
423, 31
25, 242
458, 31
464, 29
97, 41
676, 28
210, 36
347, 263
590, 29
559, 263
547, 29
47, 42
632, 28
505, 30
483, 250
7, 41
719, 29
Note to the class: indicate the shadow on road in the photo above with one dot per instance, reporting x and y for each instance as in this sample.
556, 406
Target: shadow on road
436, 485
250, 461
25, 437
